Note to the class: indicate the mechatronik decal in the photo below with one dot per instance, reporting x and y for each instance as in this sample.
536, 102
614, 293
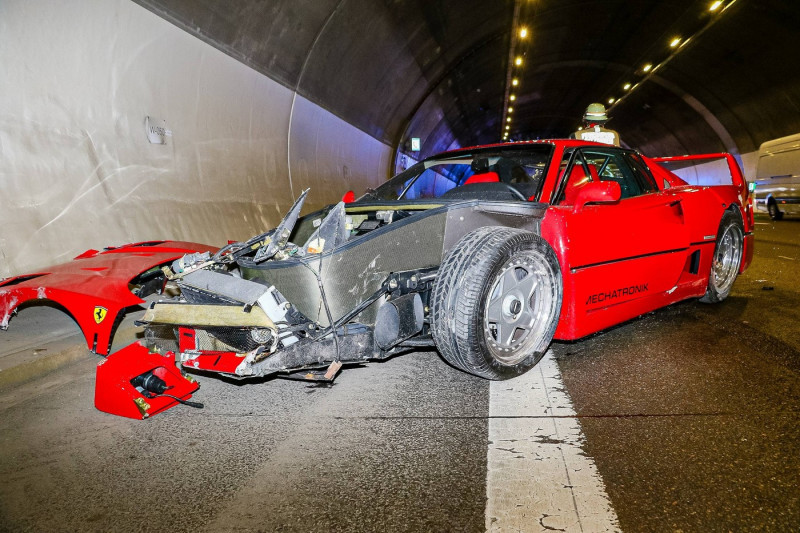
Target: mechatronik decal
601, 297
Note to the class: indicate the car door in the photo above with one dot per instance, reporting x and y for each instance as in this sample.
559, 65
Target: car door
621, 256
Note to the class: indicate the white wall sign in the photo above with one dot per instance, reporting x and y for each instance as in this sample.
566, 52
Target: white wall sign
415, 144
156, 130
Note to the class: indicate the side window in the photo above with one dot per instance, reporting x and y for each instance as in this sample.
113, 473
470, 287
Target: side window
646, 180
612, 166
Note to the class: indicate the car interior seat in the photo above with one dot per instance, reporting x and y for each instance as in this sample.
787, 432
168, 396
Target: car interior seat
482, 174
485, 177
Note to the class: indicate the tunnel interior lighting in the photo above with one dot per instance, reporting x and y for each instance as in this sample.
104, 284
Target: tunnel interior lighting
512, 97
518, 61
508, 119
523, 32
515, 82
676, 45
510, 109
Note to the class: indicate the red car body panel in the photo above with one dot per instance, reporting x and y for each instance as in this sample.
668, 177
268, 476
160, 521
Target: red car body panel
93, 287
620, 260
115, 393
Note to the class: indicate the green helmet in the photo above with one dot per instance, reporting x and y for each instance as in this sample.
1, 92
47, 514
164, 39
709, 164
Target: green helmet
595, 113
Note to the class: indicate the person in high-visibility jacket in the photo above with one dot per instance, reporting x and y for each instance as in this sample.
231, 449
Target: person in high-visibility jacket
593, 130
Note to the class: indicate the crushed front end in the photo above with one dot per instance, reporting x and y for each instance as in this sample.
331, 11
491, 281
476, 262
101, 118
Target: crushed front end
357, 289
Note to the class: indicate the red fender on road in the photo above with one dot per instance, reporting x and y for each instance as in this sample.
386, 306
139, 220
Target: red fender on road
93, 287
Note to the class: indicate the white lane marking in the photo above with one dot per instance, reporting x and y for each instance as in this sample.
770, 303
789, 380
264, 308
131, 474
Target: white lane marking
784, 257
539, 478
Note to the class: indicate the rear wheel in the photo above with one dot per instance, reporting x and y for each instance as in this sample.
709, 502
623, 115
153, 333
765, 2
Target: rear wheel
496, 302
727, 258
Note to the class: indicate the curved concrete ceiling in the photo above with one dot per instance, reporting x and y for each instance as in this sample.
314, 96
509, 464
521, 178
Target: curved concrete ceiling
439, 69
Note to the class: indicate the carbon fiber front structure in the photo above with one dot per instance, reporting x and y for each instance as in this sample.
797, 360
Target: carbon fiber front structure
353, 272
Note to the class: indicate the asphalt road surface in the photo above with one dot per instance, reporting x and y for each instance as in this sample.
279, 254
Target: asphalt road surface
685, 419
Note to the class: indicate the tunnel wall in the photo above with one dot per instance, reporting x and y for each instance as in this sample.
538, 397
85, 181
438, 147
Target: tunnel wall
77, 170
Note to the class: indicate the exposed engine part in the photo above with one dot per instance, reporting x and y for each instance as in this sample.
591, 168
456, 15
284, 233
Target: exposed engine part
275, 305
385, 216
398, 319
150, 382
222, 287
179, 266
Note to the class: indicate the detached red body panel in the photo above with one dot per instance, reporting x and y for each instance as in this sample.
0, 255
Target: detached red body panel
116, 393
93, 287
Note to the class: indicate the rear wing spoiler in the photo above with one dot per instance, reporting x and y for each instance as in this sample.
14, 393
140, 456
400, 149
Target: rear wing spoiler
737, 178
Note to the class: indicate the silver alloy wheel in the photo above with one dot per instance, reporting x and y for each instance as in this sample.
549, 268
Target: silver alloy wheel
727, 257
517, 308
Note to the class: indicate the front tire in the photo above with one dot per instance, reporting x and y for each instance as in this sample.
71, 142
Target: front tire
496, 302
727, 258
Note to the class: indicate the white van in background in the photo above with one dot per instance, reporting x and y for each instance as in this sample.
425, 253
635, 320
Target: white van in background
776, 189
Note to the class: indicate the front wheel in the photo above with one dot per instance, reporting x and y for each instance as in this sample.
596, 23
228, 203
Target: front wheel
496, 302
728, 252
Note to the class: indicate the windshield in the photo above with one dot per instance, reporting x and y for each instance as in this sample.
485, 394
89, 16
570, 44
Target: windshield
519, 168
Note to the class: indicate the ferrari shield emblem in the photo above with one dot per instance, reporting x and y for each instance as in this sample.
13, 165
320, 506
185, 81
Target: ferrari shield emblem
100, 314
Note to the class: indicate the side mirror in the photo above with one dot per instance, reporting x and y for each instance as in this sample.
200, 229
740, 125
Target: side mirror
597, 192
349, 197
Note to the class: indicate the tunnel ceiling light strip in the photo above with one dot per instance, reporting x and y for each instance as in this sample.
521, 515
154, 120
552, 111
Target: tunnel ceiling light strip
677, 43
519, 33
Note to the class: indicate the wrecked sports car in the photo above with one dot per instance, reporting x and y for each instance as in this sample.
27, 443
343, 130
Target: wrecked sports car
486, 254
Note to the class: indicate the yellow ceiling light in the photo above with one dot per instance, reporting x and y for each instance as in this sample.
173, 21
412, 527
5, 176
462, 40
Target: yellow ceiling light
518, 61
508, 127
512, 97
715, 5
647, 67
508, 119
523, 32
626, 86
510, 109
611, 100
675, 42
515, 82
